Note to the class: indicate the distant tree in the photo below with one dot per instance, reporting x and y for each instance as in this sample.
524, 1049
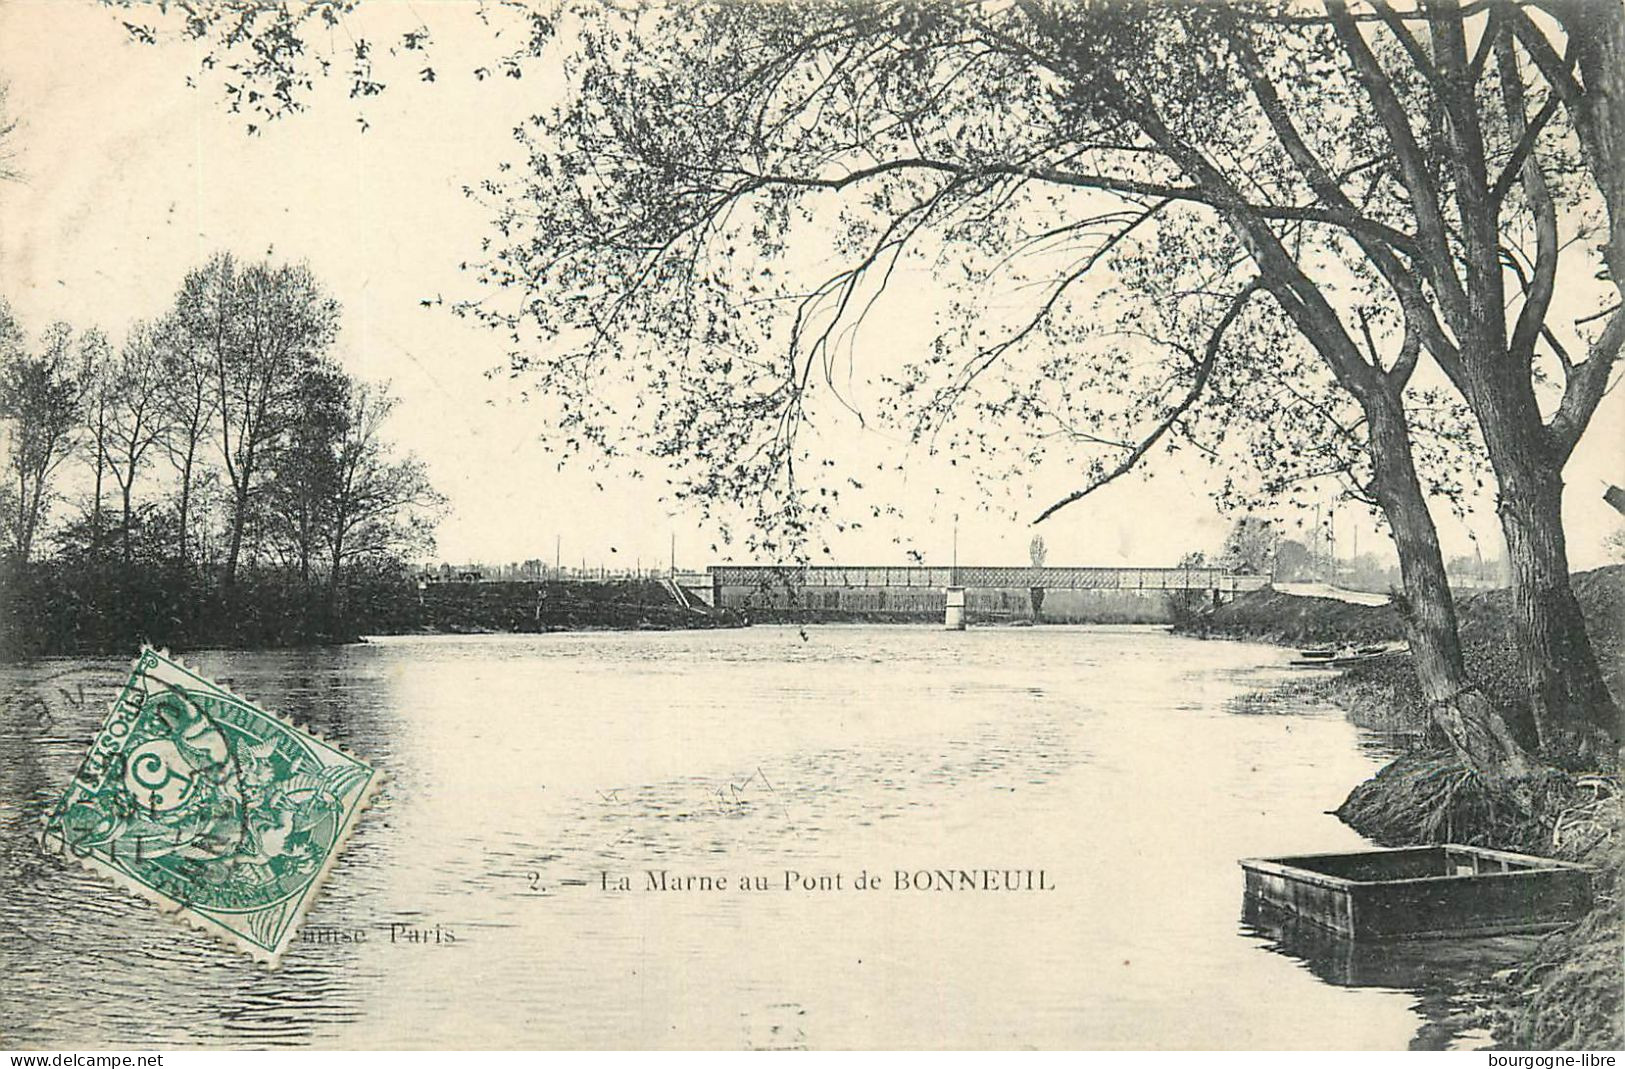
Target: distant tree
304, 470
40, 403
97, 385
189, 400
382, 505
13, 344
1369, 572
1249, 548
1037, 552
137, 415
1615, 545
1186, 604
1292, 560
8, 137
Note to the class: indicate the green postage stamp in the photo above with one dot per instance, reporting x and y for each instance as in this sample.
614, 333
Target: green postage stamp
221, 813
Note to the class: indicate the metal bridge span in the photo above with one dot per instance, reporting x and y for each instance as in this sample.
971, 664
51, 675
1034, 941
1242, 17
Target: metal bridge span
984, 577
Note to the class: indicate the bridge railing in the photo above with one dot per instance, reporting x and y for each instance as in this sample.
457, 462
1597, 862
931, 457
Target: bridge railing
982, 576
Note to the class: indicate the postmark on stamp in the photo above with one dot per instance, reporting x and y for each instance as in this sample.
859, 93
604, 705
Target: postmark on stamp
226, 815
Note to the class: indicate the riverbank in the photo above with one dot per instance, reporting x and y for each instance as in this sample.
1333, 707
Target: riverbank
1383, 695
1567, 995
50, 611
531, 607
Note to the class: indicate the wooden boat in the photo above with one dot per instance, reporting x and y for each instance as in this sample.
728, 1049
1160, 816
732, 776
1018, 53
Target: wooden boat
1423, 892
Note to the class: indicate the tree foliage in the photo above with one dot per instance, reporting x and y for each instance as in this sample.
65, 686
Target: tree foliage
266, 59
9, 170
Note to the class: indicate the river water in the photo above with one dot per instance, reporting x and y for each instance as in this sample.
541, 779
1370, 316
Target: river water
531, 773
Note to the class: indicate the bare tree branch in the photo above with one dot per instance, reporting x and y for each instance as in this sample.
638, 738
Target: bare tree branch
1204, 372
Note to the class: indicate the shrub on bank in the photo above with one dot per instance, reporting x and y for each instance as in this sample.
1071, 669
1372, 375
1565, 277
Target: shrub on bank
1568, 995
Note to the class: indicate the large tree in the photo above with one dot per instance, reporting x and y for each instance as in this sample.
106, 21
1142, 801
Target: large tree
98, 383
1395, 181
1250, 546
1385, 173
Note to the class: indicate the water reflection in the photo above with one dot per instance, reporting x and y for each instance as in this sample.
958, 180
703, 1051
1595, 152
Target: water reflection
1443, 974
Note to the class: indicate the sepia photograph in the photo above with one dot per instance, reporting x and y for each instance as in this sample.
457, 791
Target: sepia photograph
820, 525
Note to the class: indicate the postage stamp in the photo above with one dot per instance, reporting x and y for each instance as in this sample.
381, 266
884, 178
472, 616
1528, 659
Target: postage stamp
221, 813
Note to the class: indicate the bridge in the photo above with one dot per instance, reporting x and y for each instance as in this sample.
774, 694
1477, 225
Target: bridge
1068, 593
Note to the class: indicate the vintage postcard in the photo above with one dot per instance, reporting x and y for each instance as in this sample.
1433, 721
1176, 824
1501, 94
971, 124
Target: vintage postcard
906, 525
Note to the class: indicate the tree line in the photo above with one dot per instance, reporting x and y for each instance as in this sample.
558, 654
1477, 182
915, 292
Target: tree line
216, 477
1254, 545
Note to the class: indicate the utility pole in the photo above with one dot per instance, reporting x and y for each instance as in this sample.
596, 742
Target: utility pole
1318, 556
1331, 525
674, 556
558, 554
953, 614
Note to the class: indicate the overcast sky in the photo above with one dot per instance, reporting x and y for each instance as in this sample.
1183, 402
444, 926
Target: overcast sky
132, 177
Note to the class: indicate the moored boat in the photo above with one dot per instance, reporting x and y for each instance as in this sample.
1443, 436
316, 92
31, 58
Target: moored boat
1345, 657
1423, 892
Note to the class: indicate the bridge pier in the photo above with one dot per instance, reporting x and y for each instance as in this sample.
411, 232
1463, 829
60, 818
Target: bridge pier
953, 617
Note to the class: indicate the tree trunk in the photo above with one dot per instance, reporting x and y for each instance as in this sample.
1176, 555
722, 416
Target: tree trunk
186, 504
239, 515
25, 530
129, 553
1576, 718
96, 509
1596, 30
17, 546
1475, 727
333, 578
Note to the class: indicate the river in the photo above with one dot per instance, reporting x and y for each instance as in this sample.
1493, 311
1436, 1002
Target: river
531, 773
